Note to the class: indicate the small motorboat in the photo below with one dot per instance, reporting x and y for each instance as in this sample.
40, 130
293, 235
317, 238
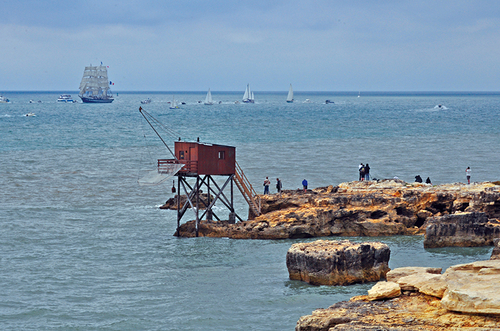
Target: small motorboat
146, 101
4, 99
329, 101
30, 114
66, 98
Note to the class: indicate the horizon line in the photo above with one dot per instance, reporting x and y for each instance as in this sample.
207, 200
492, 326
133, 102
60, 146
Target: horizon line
283, 91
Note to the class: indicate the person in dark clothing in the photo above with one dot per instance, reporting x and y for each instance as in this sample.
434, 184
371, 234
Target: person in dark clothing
367, 172
304, 185
278, 185
428, 181
361, 165
362, 173
418, 179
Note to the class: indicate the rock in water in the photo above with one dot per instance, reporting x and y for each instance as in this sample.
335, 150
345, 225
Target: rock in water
325, 262
461, 229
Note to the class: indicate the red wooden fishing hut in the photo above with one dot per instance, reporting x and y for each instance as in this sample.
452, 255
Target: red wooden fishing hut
202, 161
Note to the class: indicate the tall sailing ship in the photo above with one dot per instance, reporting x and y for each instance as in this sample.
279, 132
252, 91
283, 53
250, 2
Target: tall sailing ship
94, 87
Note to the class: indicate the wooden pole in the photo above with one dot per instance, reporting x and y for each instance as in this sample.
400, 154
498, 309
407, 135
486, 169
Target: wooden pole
197, 188
178, 204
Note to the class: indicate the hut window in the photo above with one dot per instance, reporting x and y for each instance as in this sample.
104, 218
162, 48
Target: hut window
222, 155
181, 155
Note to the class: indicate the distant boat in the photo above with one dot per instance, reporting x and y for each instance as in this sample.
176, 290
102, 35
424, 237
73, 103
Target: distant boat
359, 94
94, 87
329, 101
30, 114
307, 101
65, 98
4, 99
146, 101
289, 98
208, 98
174, 105
248, 97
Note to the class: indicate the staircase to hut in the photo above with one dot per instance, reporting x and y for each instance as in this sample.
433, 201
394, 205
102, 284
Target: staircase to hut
247, 191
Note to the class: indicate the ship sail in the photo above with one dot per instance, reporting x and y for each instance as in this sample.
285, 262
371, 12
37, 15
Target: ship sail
248, 97
94, 87
174, 105
208, 98
289, 98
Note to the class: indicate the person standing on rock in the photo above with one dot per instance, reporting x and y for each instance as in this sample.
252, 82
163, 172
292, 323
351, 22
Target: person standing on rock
467, 174
367, 172
361, 165
267, 182
278, 186
304, 184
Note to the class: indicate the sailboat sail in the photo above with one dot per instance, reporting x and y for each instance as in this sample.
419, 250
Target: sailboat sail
94, 87
289, 98
248, 97
174, 105
208, 99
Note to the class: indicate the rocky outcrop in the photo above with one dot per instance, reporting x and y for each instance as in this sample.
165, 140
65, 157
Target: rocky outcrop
469, 299
172, 202
411, 311
495, 254
368, 208
461, 229
384, 290
325, 262
473, 288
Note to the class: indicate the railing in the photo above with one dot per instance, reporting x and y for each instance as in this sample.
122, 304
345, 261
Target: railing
247, 190
189, 166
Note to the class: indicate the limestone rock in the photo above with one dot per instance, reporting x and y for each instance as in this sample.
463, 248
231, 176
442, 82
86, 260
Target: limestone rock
495, 254
368, 208
395, 274
461, 229
325, 262
473, 288
471, 301
430, 284
172, 202
415, 312
384, 290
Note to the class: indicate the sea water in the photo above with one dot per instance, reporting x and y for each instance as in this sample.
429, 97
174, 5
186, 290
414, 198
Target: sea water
84, 247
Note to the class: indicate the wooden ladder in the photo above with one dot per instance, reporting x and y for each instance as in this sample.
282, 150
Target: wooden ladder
247, 190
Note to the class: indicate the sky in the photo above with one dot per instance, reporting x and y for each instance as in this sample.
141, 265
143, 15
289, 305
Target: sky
193, 45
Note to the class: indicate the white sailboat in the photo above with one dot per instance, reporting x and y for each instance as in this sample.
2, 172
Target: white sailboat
289, 98
248, 97
208, 98
174, 105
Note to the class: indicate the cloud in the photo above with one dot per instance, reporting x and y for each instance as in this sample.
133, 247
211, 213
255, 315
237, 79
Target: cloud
189, 45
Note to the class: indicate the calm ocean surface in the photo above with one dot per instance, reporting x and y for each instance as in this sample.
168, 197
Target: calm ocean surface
84, 247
